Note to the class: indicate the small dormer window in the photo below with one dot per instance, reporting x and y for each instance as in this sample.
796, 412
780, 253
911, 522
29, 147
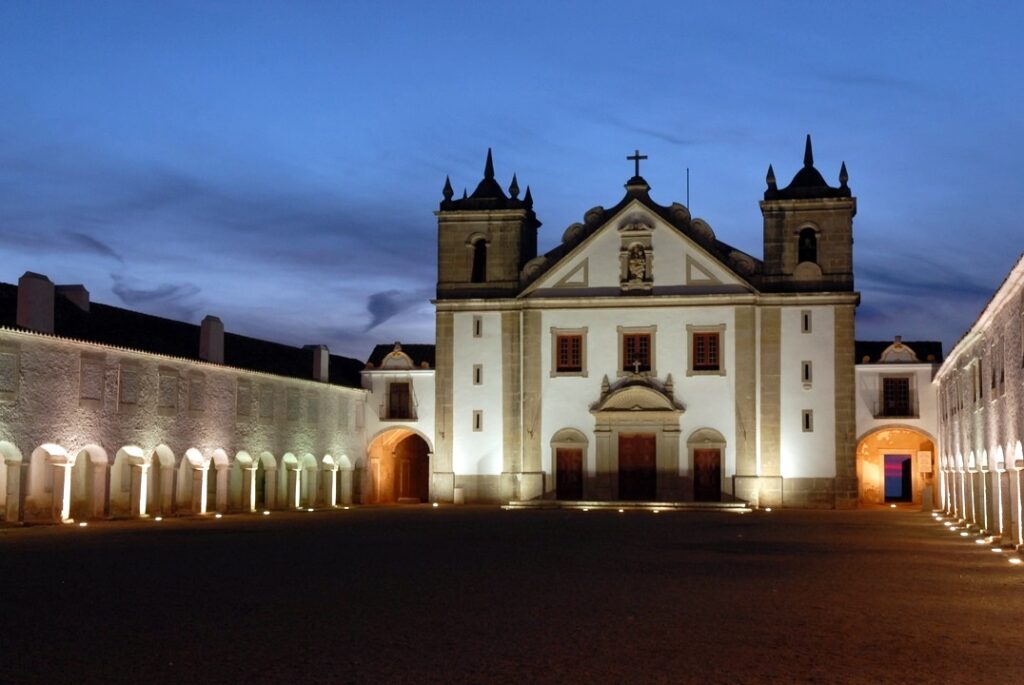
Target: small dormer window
807, 246
479, 272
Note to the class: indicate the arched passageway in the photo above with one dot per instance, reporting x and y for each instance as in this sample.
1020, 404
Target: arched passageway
896, 465
398, 468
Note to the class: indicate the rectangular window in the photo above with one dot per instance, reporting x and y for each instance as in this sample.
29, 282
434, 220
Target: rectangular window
569, 353
167, 394
243, 399
266, 403
478, 326
399, 401
293, 404
478, 374
196, 394
808, 420
636, 352
128, 386
806, 374
805, 321
478, 420
706, 351
896, 397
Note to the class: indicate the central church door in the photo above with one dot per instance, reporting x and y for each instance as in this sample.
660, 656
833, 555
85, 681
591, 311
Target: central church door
707, 475
637, 472
569, 473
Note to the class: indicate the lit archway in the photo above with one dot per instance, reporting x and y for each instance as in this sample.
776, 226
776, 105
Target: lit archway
398, 468
89, 483
895, 464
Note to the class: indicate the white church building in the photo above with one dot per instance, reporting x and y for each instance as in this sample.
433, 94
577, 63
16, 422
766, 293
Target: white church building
643, 359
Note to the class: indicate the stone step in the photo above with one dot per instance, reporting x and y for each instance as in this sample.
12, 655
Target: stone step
735, 506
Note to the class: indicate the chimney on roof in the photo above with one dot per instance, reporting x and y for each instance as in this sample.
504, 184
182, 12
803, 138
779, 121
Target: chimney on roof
35, 302
321, 362
211, 340
76, 294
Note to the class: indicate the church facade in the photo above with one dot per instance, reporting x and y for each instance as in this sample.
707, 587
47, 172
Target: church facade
644, 358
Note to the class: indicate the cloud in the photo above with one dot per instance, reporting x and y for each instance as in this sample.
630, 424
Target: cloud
173, 300
91, 244
386, 304
869, 81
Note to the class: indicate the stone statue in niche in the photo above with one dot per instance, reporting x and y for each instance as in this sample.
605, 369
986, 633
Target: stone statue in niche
637, 263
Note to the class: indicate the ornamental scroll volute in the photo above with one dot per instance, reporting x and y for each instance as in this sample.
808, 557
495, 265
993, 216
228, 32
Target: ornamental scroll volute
636, 257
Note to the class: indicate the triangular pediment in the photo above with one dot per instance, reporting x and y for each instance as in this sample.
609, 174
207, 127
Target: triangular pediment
636, 249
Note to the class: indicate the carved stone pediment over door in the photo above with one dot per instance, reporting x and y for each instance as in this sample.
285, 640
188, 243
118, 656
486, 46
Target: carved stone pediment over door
638, 414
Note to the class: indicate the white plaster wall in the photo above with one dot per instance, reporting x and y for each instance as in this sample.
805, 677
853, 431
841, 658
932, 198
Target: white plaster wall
47, 408
709, 400
376, 382
477, 452
808, 454
869, 394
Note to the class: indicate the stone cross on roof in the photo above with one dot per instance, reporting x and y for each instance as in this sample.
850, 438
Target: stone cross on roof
635, 158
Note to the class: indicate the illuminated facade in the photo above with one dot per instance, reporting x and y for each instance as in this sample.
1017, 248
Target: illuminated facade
643, 358
981, 407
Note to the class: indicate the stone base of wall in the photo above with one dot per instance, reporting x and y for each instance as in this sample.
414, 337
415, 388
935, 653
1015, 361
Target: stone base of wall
846, 495
442, 487
769, 491
531, 486
808, 493
480, 489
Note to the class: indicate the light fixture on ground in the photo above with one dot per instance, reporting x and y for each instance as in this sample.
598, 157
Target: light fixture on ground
1014, 560
768, 509
217, 516
83, 524
997, 550
433, 505
621, 510
266, 513
158, 519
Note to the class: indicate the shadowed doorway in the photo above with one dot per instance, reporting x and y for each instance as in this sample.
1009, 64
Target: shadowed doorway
898, 478
398, 470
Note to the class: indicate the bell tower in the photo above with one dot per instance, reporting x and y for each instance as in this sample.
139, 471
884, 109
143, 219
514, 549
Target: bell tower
484, 239
808, 231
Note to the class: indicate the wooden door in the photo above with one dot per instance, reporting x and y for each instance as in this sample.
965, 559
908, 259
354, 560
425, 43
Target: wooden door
707, 475
637, 466
569, 473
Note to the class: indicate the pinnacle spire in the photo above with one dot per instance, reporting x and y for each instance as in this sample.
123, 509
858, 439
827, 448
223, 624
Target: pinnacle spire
489, 166
770, 178
513, 189
447, 192
528, 198
843, 176
464, 194
808, 153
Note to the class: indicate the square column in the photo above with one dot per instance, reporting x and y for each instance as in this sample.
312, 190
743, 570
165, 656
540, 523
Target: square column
248, 496
138, 498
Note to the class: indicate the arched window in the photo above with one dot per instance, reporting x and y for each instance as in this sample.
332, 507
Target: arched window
479, 273
807, 248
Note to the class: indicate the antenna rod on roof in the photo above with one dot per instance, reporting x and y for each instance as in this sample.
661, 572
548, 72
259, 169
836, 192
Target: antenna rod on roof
687, 187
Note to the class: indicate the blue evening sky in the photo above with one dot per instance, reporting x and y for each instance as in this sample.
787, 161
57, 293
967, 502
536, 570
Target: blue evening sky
278, 164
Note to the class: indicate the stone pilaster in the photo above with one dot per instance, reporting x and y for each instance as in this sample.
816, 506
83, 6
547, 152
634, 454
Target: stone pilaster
442, 485
532, 480
745, 380
770, 481
511, 405
846, 420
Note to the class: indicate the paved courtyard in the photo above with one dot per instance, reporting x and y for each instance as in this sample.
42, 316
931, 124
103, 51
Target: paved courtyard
404, 595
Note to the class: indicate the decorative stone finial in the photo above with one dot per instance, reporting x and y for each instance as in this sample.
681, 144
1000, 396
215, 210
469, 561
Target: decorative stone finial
447, 192
489, 166
528, 198
669, 385
464, 194
605, 386
513, 189
808, 153
843, 176
770, 178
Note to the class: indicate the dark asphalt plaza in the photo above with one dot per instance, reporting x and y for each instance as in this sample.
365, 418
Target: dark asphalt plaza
479, 595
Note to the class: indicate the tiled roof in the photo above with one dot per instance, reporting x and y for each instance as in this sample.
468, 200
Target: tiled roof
108, 325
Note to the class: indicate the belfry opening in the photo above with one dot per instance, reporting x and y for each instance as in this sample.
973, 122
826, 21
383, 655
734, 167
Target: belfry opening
397, 468
896, 465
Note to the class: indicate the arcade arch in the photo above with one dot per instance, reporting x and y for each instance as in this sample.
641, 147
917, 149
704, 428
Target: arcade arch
398, 468
895, 464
